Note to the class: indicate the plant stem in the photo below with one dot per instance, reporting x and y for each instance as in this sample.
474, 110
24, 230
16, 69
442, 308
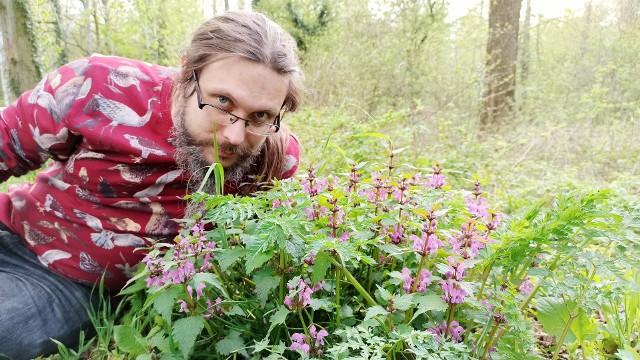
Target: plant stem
572, 316
304, 326
370, 301
485, 277
338, 308
487, 347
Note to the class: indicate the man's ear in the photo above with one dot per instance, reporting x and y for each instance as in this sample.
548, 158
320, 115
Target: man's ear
182, 60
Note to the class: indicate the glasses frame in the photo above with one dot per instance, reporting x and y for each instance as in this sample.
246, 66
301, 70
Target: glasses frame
235, 118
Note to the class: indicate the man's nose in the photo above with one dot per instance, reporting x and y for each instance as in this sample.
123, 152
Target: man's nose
235, 133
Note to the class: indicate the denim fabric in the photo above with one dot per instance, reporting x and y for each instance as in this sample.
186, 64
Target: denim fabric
36, 304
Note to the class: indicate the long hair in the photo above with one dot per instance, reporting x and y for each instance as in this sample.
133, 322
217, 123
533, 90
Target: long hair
253, 36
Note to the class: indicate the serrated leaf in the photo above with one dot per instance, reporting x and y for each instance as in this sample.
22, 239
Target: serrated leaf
209, 279
231, 343
259, 251
321, 304
164, 302
186, 331
404, 302
382, 295
375, 311
429, 302
320, 266
129, 340
266, 280
278, 318
554, 314
228, 257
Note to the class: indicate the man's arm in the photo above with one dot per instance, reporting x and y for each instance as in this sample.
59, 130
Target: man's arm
33, 129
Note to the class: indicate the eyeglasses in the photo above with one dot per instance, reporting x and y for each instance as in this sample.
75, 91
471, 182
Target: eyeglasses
226, 117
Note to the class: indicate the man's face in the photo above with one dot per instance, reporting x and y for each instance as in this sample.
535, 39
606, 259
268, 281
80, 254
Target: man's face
245, 88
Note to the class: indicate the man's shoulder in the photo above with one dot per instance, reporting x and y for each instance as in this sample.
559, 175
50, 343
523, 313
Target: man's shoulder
121, 68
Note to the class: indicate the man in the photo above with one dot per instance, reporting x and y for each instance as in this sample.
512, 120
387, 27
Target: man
127, 141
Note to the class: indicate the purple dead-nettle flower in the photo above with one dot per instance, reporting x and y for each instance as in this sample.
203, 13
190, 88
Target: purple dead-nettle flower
318, 336
344, 237
336, 218
526, 286
494, 221
183, 306
452, 293
397, 236
455, 331
456, 269
468, 241
408, 280
299, 342
478, 207
425, 280
213, 309
437, 180
300, 296
426, 244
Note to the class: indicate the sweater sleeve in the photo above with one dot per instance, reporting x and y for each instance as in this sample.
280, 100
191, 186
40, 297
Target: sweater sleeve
292, 157
33, 129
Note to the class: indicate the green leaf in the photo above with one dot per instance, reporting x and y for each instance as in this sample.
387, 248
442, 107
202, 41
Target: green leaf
375, 311
186, 331
228, 257
208, 279
429, 302
259, 251
230, 344
554, 315
163, 303
320, 266
278, 318
404, 302
628, 353
266, 280
129, 340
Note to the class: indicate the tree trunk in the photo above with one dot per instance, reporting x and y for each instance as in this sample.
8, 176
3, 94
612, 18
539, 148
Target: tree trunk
22, 69
525, 58
502, 51
3, 77
226, 5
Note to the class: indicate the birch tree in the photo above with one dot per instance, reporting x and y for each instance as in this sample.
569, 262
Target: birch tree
19, 47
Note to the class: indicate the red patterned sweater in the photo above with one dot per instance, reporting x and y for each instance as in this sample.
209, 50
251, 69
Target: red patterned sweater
112, 184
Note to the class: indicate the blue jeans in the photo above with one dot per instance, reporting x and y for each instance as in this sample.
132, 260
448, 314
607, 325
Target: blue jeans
36, 304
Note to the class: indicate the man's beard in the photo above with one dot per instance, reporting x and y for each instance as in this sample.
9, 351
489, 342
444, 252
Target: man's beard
189, 156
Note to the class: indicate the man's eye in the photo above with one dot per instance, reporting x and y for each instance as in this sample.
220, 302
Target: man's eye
223, 100
261, 115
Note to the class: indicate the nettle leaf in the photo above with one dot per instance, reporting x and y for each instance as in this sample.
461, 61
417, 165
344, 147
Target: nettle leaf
383, 295
229, 257
554, 314
186, 331
266, 280
259, 251
375, 311
429, 302
209, 279
321, 304
404, 302
320, 266
164, 301
278, 318
231, 343
129, 340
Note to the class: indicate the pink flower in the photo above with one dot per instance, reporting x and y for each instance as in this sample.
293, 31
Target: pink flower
183, 306
455, 330
319, 336
452, 293
300, 342
408, 280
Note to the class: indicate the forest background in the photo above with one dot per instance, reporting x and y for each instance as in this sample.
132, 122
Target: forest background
404, 69
532, 107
